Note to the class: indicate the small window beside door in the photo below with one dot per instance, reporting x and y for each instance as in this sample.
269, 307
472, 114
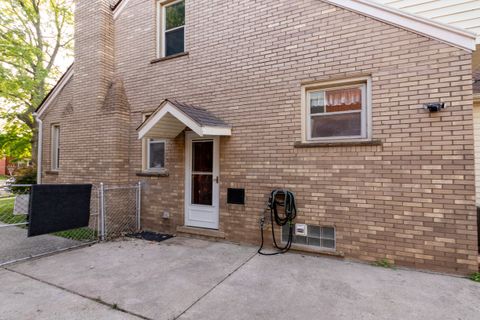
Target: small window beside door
155, 154
171, 28
55, 147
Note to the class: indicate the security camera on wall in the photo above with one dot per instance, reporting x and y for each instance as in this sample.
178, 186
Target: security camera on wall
434, 106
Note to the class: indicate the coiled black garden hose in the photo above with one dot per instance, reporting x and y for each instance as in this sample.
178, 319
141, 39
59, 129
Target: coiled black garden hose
290, 213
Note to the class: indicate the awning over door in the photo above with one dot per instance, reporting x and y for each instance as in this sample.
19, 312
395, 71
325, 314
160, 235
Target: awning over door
172, 117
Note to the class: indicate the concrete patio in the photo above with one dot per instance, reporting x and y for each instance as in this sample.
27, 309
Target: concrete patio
185, 278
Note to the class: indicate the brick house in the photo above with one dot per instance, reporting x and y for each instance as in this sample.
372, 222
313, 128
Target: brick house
199, 99
4, 166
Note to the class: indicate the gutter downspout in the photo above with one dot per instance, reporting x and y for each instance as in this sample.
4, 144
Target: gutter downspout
39, 146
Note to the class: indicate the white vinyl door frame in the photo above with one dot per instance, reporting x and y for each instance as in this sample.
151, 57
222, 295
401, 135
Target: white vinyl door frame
202, 216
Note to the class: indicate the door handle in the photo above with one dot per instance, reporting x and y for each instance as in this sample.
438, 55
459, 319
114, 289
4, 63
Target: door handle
216, 179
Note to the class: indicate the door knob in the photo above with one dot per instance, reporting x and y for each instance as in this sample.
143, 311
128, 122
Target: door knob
216, 179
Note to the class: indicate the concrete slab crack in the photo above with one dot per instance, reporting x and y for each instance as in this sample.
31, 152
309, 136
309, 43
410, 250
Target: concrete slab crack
215, 286
97, 300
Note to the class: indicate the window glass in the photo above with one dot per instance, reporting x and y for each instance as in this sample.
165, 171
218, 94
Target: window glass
202, 189
55, 147
337, 125
337, 112
344, 100
175, 15
174, 28
317, 236
330, 244
156, 154
317, 102
328, 233
202, 156
174, 42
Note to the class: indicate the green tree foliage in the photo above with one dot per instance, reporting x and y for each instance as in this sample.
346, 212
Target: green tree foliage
34, 36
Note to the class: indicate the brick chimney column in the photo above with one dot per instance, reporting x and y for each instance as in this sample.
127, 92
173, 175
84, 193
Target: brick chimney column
94, 139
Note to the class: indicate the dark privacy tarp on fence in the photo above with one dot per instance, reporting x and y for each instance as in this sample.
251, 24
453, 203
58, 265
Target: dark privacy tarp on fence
56, 208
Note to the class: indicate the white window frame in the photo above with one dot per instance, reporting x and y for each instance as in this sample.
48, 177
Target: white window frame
55, 147
161, 25
146, 150
366, 112
149, 143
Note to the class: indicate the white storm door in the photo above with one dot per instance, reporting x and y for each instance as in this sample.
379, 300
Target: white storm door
202, 191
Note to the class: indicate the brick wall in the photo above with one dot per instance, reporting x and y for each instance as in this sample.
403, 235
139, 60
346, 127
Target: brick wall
94, 131
3, 166
411, 199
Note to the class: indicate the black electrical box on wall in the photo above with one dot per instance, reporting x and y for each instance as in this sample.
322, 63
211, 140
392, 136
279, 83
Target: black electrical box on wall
235, 196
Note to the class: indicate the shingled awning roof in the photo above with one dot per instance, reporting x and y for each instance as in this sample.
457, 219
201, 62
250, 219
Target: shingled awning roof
172, 117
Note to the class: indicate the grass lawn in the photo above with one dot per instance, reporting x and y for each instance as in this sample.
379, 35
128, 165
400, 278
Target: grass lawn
3, 178
81, 234
6, 212
7, 216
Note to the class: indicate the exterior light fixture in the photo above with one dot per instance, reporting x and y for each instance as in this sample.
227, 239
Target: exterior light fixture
434, 106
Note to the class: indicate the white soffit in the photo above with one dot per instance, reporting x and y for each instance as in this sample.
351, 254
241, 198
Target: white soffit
463, 14
455, 36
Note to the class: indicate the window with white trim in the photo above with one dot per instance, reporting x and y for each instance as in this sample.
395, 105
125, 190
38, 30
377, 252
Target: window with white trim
338, 111
171, 27
55, 147
155, 154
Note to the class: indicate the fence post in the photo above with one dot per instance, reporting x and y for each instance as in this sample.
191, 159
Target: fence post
139, 205
102, 212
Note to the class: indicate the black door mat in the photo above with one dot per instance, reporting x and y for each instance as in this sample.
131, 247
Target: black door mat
150, 236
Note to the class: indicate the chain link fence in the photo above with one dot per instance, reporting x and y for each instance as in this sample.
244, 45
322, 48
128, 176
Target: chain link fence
114, 212
120, 210
14, 203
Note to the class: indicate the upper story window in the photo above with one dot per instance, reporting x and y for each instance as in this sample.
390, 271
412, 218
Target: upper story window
55, 147
172, 27
337, 110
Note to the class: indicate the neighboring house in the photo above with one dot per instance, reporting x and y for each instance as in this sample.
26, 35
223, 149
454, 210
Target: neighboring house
462, 14
4, 166
198, 99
